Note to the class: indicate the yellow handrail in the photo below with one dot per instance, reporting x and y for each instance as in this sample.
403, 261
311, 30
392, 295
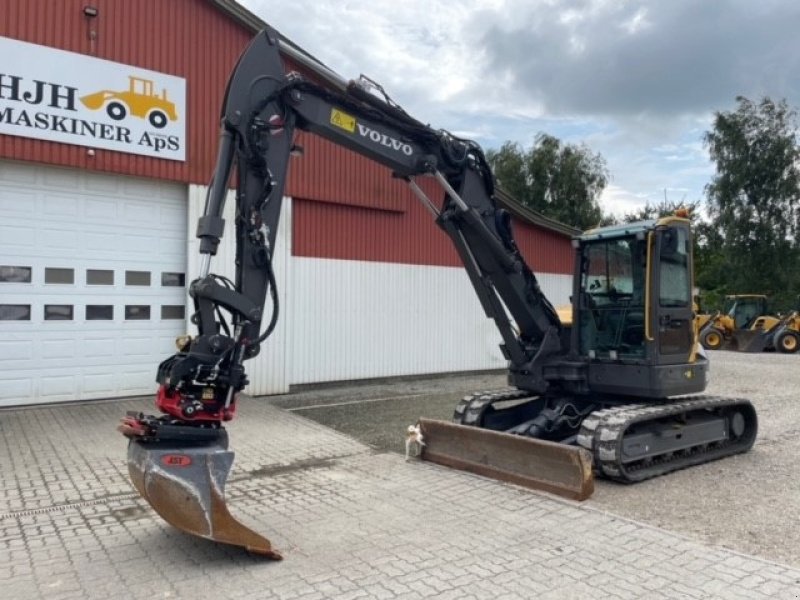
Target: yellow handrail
648, 279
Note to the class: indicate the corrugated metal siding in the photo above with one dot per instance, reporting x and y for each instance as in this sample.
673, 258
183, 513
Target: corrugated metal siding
354, 320
330, 173
186, 38
267, 372
327, 230
544, 250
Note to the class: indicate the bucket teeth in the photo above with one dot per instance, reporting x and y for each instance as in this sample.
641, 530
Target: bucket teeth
185, 485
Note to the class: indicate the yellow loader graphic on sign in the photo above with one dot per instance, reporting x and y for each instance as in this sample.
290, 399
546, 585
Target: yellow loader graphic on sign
138, 100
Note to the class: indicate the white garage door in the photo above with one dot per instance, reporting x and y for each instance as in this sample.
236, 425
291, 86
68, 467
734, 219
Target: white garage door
92, 282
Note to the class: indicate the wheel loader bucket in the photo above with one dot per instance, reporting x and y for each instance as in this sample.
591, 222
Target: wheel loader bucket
186, 487
541, 465
748, 340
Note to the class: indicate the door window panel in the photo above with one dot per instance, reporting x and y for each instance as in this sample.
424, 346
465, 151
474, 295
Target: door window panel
58, 312
137, 278
59, 275
99, 277
173, 279
99, 312
9, 274
675, 280
15, 312
612, 298
173, 311
675, 293
137, 312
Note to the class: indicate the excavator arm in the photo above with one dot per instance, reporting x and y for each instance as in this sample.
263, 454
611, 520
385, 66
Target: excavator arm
263, 108
179, 459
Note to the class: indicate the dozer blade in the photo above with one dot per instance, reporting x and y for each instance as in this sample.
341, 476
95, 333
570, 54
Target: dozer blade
748, 340
186, 487
541, 465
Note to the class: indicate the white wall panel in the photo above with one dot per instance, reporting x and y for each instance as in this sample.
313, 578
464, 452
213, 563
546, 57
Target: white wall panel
342, 320
267, 372
354, 320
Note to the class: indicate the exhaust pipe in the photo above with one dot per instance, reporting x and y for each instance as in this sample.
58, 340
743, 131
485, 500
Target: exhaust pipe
185, 485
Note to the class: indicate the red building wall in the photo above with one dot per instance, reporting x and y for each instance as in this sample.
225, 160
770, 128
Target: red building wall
358, 211
322, 229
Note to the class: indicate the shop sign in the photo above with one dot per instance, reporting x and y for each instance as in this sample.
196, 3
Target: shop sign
51, 94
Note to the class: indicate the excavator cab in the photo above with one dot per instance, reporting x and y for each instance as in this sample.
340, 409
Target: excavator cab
633, 287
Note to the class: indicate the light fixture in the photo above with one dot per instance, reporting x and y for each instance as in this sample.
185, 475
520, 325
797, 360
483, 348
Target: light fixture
90, 11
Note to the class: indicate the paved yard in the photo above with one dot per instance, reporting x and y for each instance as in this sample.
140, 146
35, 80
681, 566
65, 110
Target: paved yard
351, 521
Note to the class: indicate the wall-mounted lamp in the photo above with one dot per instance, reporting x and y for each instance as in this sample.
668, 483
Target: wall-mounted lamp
90, 11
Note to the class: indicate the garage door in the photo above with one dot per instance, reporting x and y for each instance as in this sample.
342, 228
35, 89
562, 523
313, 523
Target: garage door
92, 282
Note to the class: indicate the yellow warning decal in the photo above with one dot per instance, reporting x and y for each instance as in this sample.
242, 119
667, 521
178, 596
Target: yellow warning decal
343, 120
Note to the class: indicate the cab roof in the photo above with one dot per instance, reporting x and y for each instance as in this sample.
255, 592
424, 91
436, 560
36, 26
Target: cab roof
627, 229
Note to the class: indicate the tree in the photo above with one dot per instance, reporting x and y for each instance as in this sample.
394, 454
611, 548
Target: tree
754, 200
562, 181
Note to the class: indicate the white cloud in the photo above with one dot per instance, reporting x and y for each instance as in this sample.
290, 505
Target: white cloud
637, 81
619, 201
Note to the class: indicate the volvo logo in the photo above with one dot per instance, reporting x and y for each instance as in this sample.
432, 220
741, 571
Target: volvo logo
384, 140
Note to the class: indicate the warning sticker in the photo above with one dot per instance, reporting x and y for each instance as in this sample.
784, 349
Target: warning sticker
343, 121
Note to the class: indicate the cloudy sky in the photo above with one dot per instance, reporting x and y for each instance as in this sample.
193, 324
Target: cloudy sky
637, 81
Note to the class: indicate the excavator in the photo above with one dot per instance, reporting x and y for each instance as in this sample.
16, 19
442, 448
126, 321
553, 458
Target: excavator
598, 395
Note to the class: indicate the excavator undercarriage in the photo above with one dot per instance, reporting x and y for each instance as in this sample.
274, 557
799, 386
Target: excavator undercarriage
628, 442
598, 393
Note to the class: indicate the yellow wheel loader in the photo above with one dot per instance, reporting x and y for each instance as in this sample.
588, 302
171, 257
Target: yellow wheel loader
746, 325
139, 100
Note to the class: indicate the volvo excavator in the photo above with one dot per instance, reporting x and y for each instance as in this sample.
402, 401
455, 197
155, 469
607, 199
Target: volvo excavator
616, 392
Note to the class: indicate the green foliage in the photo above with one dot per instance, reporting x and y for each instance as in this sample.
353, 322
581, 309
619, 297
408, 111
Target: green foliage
561, 181
750, 244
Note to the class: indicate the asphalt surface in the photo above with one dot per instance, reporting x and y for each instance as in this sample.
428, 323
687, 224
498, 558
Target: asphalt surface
749, 503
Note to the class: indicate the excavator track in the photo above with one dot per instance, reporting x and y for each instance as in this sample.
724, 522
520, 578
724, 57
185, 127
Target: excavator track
472, 409
636, 442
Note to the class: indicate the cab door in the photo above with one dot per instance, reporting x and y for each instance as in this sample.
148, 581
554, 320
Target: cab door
672, 274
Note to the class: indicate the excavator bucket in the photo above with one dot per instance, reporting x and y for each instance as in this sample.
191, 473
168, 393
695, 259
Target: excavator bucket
748, 340
541, 465
186, 487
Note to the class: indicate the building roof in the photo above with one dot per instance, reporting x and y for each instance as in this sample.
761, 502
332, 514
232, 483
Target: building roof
239, 13
519, 210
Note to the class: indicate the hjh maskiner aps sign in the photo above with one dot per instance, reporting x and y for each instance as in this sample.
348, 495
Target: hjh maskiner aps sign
51, 94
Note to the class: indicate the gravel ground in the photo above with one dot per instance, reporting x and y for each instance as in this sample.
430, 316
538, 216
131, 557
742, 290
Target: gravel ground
749, 503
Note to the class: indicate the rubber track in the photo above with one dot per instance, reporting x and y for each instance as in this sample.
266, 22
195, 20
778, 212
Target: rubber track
470, 409
602, 433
